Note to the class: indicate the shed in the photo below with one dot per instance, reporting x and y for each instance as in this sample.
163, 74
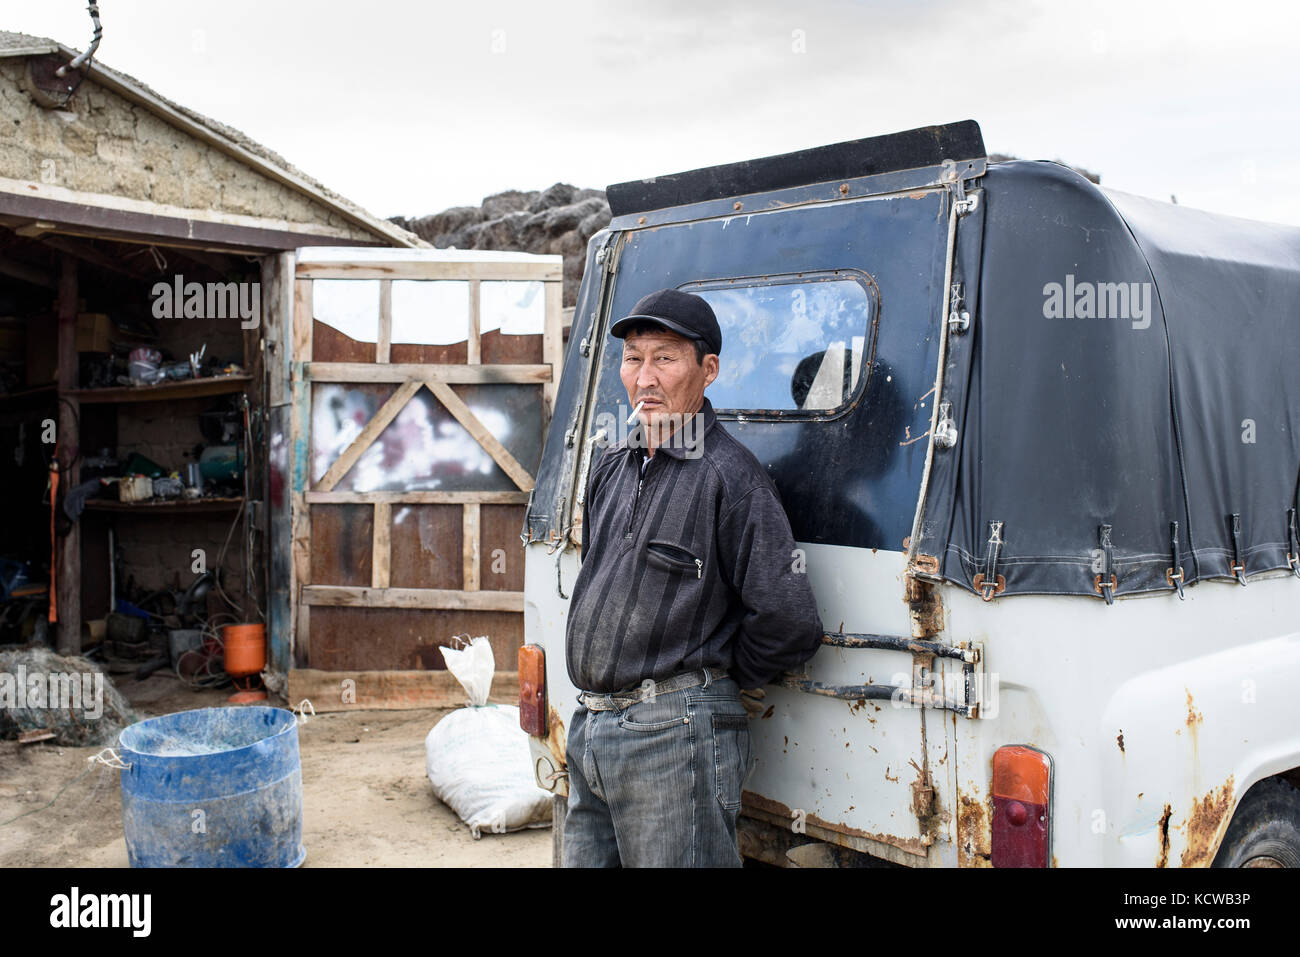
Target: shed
110, 196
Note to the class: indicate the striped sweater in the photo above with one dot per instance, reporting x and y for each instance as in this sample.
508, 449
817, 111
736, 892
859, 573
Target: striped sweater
690, 564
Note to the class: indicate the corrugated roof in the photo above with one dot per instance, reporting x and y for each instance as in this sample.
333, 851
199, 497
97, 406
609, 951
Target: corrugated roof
223, 137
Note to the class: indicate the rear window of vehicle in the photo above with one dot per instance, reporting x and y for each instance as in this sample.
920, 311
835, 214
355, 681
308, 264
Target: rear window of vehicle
795, 343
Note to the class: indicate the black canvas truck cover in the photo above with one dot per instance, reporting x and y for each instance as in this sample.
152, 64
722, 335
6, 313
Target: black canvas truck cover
1127, 405
1124, 398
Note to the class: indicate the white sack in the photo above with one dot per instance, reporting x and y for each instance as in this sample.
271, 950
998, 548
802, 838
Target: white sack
478, 757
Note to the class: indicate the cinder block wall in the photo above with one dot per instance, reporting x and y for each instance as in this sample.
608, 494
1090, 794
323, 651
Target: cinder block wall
105, 144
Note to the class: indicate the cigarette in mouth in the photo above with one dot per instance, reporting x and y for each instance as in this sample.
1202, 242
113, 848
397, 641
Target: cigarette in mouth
632, 418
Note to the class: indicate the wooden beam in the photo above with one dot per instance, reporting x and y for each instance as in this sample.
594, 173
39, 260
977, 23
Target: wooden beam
475, 342
387, 412
165, 391
436, 598
331, 691
82, 249
27, 274
219, 263
382, 550
299, 337
302, 323
552, 347
67, 585
423, 497
384, 347
457, 407
524, 374
469, 550
98, 215
504, 271
37, 228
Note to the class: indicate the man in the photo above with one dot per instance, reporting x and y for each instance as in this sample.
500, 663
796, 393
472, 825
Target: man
690, 590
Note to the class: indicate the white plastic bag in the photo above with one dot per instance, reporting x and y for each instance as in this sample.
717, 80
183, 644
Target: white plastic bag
478, 758
472, 666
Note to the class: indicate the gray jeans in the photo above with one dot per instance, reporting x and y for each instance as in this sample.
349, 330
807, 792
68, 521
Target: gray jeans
658, 783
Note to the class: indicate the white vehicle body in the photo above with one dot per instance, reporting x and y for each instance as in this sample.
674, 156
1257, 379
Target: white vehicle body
1158, 709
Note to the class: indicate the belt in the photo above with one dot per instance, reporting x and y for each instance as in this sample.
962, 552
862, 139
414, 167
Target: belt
618, 700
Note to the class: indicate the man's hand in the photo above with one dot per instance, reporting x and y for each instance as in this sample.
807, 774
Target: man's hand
753, 701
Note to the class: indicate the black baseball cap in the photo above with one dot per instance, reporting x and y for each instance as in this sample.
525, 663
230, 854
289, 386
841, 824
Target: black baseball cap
681, 312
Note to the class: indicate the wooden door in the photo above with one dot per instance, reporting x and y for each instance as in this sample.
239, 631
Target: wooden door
423, 382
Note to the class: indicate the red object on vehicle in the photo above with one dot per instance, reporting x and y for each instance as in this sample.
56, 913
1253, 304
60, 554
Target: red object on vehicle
1022, 813
532, 689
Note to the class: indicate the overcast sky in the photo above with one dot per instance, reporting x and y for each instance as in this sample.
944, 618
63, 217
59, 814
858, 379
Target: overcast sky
411, 107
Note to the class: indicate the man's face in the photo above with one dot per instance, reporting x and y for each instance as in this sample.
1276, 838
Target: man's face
659, 369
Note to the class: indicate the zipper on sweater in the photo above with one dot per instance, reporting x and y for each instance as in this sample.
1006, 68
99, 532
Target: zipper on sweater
636, 499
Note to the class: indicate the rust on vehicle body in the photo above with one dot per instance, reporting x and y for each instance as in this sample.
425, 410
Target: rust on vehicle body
556, 738
1162, 859
1206, 824
974, 832
924, 606
780, 813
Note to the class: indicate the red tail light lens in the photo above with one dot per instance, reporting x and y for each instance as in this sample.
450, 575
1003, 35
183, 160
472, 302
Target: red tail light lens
1022, 807
532, 690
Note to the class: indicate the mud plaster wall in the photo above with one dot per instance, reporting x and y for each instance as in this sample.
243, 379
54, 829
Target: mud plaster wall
105, 144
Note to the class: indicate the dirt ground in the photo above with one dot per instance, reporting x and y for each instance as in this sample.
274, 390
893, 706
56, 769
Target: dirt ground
366, 800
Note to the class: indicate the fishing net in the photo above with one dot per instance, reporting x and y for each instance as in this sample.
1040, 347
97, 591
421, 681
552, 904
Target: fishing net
70, 696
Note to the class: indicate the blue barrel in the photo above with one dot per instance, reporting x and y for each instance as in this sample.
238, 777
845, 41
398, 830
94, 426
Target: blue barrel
215, 787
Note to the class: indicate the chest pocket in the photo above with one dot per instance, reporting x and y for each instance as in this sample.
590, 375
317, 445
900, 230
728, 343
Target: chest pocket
673, 557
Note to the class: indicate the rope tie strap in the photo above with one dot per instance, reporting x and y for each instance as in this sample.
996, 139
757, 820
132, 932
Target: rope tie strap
110, 759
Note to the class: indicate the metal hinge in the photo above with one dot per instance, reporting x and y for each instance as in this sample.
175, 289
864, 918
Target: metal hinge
605, 254
958, 316
945, 430
963, 202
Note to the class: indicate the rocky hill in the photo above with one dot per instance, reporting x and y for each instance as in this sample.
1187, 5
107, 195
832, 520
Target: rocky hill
559, 219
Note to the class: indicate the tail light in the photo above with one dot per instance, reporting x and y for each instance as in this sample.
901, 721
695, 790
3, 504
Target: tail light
532, 690
1022, 807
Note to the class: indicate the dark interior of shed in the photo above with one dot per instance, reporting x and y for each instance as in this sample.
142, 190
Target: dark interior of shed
162, 475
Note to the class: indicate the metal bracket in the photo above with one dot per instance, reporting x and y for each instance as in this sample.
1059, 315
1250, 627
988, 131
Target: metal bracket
958, 316
945, 430
605, 254
1104, 584
1293, 552
1175, 581
997, 587
989, 582
963, 202
1236, 566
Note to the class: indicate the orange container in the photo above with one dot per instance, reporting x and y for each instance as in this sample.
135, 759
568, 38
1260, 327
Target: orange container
245, 647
